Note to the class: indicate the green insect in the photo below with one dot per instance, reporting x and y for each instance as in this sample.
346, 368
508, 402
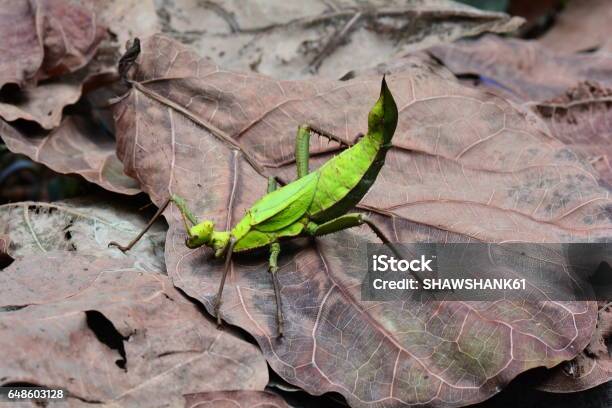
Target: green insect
315, 204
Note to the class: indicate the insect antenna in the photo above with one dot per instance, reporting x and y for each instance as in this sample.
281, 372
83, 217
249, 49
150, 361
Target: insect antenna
129, 246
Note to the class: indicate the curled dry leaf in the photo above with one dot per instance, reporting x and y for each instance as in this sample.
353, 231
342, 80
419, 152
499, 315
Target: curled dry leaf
72, 143
119, 335
69, 34
5, 257
523, 70
5, 242
45, 38
81, 225
593, 366
45, 103
76, 146
53, 40
465, 165
298, 39
234, 399
581, 26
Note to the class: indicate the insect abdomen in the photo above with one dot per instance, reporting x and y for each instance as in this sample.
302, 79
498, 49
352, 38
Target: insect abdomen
345, 179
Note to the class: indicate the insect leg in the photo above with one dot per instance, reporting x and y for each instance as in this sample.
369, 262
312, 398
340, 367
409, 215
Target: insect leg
272, 185
302, 146
337, 224
133, 242
228, 262
327, 135
186, 213
302, 152
351, 220
274, 252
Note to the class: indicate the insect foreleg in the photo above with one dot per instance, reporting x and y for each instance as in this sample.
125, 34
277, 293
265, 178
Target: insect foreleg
274, 252
228, 262
186, 213
351, 220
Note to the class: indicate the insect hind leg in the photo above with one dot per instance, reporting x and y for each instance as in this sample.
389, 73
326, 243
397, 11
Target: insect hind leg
273, 269
351, 220
327, 135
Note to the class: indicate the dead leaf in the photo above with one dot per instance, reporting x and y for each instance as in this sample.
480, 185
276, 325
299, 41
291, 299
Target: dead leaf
77, 142
45, 38
466, 165
582, 118
296, 40
80, 141
523, 70
45, 103
5, 257
83, 225
92, 156
578, 116
77, 146
5, 242
118, 334
234, 399
590, 368
42, 104
89, 151
71, 34
581, 26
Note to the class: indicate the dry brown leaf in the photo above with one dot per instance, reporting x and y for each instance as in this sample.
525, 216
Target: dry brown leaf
234, 399
117, 334
95, 160
590, 368
5, 242
578, 116
45, 103
582, 118
5, 257
466, 165
71, 33
523, 70
583, 25
84, 225
76, 146
45, 38
298, 39
67, 143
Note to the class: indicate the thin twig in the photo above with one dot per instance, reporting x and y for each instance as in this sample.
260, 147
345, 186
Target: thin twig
333, 42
